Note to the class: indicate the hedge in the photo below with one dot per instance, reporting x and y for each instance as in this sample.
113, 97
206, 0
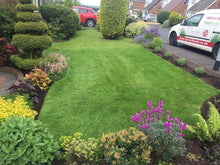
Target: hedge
162, 16
28, 17
37, 28
25, 1
113, 17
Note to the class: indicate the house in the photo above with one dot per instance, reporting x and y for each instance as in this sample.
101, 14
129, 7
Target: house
190, 3
179, 6
136, 5
202, 5
215, 5
153, 7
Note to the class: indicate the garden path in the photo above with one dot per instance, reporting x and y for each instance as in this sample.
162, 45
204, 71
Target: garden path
8, 77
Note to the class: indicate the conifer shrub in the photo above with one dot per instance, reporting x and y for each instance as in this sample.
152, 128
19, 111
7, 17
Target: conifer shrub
172, 17
31, 33
113, 18
162, 16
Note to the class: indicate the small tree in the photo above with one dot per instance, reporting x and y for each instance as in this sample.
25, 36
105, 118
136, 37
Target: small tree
172, 17
31, 33
68, 3
113, 17
162, 16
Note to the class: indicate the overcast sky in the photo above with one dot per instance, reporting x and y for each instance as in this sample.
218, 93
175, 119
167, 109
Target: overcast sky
90, 2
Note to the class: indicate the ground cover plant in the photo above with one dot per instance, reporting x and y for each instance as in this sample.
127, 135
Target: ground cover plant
105, 84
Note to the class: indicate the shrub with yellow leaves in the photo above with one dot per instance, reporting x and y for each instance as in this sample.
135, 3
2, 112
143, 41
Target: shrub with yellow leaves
79, 151
39, 78
125, 147
134, 29
18, 107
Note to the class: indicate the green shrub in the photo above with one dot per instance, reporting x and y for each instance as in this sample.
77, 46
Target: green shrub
172, 16
62, 22
68, 3
125, 147
162, 16
98, 23
26, 7
134, 29
25, 1
35, 28
113, 17
200, 70
157, 49
167, 54
166, 24
181, 61
129, 20
28, 64
32, 44
157, 42
79, 151
26, 141
7, 21
178, 20
28, 17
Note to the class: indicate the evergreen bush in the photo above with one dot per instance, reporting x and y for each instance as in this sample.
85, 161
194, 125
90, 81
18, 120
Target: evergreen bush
172, 16
31, 37
166, 24
113, 18
162, 16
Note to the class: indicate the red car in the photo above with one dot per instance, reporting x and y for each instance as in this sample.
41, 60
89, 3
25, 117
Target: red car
88, 16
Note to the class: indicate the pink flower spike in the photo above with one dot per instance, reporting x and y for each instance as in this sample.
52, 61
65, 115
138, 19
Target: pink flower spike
180, 135
143, 112
160, 103
169, 112
149, 103
184, 126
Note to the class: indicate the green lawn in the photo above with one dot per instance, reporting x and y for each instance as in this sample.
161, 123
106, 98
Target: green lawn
108, 81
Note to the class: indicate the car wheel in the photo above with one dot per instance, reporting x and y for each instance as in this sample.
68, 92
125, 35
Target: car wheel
90, 23
215, 50
173, 39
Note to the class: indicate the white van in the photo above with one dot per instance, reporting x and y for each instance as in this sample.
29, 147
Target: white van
201, 31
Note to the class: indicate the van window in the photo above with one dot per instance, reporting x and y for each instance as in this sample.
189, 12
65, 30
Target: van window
194, 20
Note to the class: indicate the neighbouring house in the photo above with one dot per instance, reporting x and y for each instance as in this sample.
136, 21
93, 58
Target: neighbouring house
190, 3
179, 6
136, 5
7, 2
153, 7
165, 2
215, 5
202, 5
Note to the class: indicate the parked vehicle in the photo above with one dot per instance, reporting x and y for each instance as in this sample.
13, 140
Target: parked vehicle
134, 15
88, 16
150, 18
201, 30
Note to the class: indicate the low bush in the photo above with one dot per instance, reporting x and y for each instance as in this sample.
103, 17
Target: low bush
28, 64
26, 7
34, 28
178, 20
134, 29
162, 16
200, 70
166, 24
57, 69
157, 49
16, 107
181, 61
79, 151
129, 20
26, 141
39, 78
157, 42
167, 54
172, 17
28, 17
62, 22
125, 147
166, 137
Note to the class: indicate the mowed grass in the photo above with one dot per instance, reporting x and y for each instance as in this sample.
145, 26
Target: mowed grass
109, 80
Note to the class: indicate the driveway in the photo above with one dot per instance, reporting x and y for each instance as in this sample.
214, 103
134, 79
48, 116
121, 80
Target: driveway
194, 55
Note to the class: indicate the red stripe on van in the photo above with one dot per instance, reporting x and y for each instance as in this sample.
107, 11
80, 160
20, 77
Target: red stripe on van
196, 41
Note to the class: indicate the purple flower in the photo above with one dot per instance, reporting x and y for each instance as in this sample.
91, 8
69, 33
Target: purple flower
143, 112
168, 126
149, 103
183, 127
169, 112
180, 135
146, 126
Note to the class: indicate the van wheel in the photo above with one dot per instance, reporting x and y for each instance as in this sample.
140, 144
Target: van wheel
90, 23
215, 50
173, 39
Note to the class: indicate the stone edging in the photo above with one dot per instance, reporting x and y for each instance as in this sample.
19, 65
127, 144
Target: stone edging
14, 71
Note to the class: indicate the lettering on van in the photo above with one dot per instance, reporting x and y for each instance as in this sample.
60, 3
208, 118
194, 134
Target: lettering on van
214, 18
196, 41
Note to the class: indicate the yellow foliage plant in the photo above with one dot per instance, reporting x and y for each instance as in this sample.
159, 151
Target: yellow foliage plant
18, 107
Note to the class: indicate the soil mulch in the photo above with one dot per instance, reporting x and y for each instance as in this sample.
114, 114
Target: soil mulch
195, 153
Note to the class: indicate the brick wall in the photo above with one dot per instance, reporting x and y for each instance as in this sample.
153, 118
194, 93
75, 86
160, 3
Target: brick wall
180, 8
138, 5
216, 5
155, 9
